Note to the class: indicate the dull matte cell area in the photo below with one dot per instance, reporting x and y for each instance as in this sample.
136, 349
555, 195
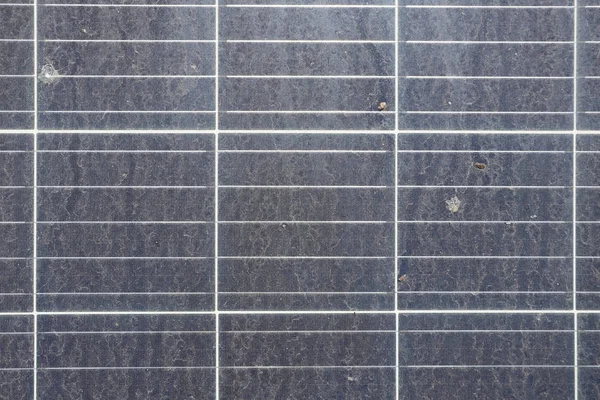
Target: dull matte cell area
318, 199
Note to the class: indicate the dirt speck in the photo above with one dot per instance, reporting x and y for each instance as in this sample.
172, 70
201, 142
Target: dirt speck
382, 106
479, 165
403, 278
453, 204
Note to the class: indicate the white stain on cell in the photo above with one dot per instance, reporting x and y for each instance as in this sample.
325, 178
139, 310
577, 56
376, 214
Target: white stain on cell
49, 74
453, 204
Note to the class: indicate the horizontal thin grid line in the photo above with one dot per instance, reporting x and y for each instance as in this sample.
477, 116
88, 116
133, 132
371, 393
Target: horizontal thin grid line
491, 257
303, 6
324, 41
212, 257
306, 257
506, 222
437, 331
210, 187
310, 77
17, 40
16, 369
415, 331
489, 112
484, 7
115, 151
297, 131
332, 151
138, 76
483, 77
308, 6
307, 112
127, 112
306, 186
131, 5
121, 222
306, 293
122, 332
309, 151
115, 187
194, 293
230, 331
487, 366
486, 292
121, 368
488, 151
17, 76
400, 131
299, 257
307, 367
387, 366
486, 187
313, 331
271, 222
390, 312
295, 258
212, 41
220, 367
16, 111
125, 258
420, 331
400, 292
569, 42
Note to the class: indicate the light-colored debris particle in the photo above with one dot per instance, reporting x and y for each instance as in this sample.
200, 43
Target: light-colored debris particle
48, 74
479, 165
453, 204
382, 106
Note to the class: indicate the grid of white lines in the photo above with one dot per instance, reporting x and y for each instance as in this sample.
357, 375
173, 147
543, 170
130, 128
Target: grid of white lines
396, 8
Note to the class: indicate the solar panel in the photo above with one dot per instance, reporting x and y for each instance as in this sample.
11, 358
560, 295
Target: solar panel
318, 199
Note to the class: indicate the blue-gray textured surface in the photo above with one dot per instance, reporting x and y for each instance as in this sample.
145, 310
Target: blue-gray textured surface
300, 199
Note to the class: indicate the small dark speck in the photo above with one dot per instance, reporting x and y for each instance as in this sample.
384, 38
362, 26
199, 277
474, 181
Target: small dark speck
403, 278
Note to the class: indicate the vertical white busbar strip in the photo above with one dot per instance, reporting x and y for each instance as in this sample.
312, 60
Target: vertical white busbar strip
34, 227
216, 212
574, 250
396, 130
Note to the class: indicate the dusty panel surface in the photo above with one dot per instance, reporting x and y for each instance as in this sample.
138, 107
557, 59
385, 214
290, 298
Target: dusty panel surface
316, 199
